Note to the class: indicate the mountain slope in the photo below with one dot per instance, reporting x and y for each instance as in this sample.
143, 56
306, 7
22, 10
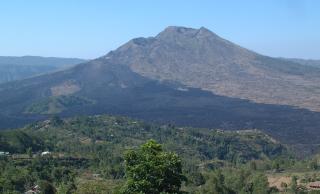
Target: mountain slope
15, 68
201, 59
170, 78
115, 89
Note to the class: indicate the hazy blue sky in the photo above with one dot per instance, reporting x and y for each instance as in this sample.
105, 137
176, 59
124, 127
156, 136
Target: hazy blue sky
88, 29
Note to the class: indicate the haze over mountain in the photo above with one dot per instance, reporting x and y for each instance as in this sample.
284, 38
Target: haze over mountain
184, 76
309, 62
15, 68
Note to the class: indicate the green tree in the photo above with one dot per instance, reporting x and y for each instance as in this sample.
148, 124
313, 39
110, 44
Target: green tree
237, 179
68, 188
294, 185
153, 171
253, 165
313, 164
284, 186
276, 166
46, 188
198, 179
215, 184
29, 152
260, 184
56, 120
94, 187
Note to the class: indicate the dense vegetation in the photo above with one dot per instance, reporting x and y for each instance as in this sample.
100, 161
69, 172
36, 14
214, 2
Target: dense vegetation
81, 135
101, 154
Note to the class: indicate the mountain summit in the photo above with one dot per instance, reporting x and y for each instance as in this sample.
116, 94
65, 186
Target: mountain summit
185, 76
199, 58
179, 47
175, 31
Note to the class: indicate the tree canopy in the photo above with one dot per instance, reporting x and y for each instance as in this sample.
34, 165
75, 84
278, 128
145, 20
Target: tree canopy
152, 170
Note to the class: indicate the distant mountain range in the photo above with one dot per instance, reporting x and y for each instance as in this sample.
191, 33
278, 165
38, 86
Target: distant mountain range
309, 62
15, 68
185, 76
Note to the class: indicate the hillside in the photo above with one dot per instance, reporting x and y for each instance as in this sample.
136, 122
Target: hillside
175, 77
15, 68
87, 153
75, 136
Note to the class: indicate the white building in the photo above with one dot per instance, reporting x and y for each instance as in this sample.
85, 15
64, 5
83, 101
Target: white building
45, 153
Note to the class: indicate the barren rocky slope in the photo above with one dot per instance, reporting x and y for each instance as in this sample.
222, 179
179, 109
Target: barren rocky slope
199, 58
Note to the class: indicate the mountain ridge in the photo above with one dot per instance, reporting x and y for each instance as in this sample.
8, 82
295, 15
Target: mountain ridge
308, 62
225, 68
14, 68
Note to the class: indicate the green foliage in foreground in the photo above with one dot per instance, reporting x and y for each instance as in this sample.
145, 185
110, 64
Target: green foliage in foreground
188, 159
236, 181
19, 175
151, 170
